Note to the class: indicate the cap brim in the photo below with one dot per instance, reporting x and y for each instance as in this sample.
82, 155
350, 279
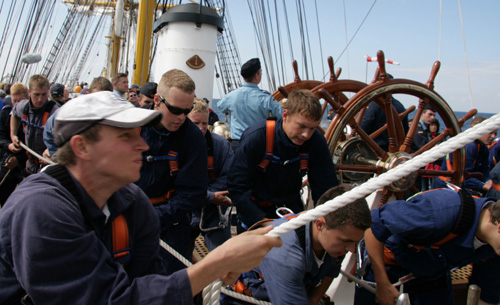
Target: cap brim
132, 118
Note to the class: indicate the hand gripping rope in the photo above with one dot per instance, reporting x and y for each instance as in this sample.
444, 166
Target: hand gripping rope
211, 293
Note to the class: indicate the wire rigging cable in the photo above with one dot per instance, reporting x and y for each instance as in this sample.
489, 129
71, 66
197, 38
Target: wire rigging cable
466, 57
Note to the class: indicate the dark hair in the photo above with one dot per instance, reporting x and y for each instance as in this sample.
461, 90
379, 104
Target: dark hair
476, 121
356, 214
494, 209
117, 77
435, 122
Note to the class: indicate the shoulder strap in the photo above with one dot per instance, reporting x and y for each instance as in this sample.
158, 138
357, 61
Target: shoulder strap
121, 249
268, 155
210, 152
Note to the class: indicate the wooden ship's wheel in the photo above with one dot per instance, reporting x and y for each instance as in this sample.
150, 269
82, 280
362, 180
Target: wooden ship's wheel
358, 156
283, 91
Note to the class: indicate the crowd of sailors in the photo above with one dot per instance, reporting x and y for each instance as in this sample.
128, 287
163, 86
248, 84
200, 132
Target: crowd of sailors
129, 173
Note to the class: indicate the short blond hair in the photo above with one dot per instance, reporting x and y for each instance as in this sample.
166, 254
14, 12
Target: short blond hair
200, 106
38, 81
19, 88
176, 78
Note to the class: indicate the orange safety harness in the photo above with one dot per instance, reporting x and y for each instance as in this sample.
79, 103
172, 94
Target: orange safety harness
210, 154
269, 156
449, 165
172, 157
121, 240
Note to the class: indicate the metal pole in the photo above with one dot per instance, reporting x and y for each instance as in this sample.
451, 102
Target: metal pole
358, 281
473, 295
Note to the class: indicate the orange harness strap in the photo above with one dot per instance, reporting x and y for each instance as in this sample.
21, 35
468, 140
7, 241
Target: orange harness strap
163, 198
121, 249
270, 126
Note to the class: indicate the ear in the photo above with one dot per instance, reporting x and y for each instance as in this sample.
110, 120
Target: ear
320, 223
80, 147
285, 115
156, 100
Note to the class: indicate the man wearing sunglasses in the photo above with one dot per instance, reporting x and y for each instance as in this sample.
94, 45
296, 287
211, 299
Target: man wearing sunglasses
174, 172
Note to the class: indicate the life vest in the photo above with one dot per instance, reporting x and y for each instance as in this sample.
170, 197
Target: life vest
46, 114
121, 239
269, 156
27, 123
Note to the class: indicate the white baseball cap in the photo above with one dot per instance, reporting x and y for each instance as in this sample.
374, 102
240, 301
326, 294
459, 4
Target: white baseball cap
104, 107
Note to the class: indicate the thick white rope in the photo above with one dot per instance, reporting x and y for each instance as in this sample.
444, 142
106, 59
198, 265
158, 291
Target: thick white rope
211, 293
390, 176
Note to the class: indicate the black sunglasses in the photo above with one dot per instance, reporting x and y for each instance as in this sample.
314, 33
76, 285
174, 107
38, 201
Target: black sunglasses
175, 110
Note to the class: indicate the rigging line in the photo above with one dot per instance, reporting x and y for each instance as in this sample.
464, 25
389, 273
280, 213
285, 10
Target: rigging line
88, 49
440, 39
16, 62
288, 30
357, 30
276, 48
7, 25
258, 36
346, 38
42, 31
319, 35
39, 31
7, 31
466, 57
280, 58
272, 46
266, 33
302, 40
24, 40
308, 39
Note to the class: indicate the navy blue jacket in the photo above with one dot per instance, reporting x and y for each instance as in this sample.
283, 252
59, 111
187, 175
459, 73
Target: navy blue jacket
425, 219
60, 251
476, 160
190, 182
494, 154
279, 184
375, 118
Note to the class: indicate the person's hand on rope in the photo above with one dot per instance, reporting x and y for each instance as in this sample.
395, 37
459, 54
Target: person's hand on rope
221, 199
15, 148
46, 155
11, 162
386, 294
237, 255
487, 185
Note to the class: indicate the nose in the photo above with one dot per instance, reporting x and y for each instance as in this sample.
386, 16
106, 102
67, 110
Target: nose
351, 247
307, 133
141, 144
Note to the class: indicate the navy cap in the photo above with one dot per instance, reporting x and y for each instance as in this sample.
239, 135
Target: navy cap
149, 89
57, 90
250, 68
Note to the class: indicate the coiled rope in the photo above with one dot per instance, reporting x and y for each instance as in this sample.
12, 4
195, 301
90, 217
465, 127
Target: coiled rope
212, 292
